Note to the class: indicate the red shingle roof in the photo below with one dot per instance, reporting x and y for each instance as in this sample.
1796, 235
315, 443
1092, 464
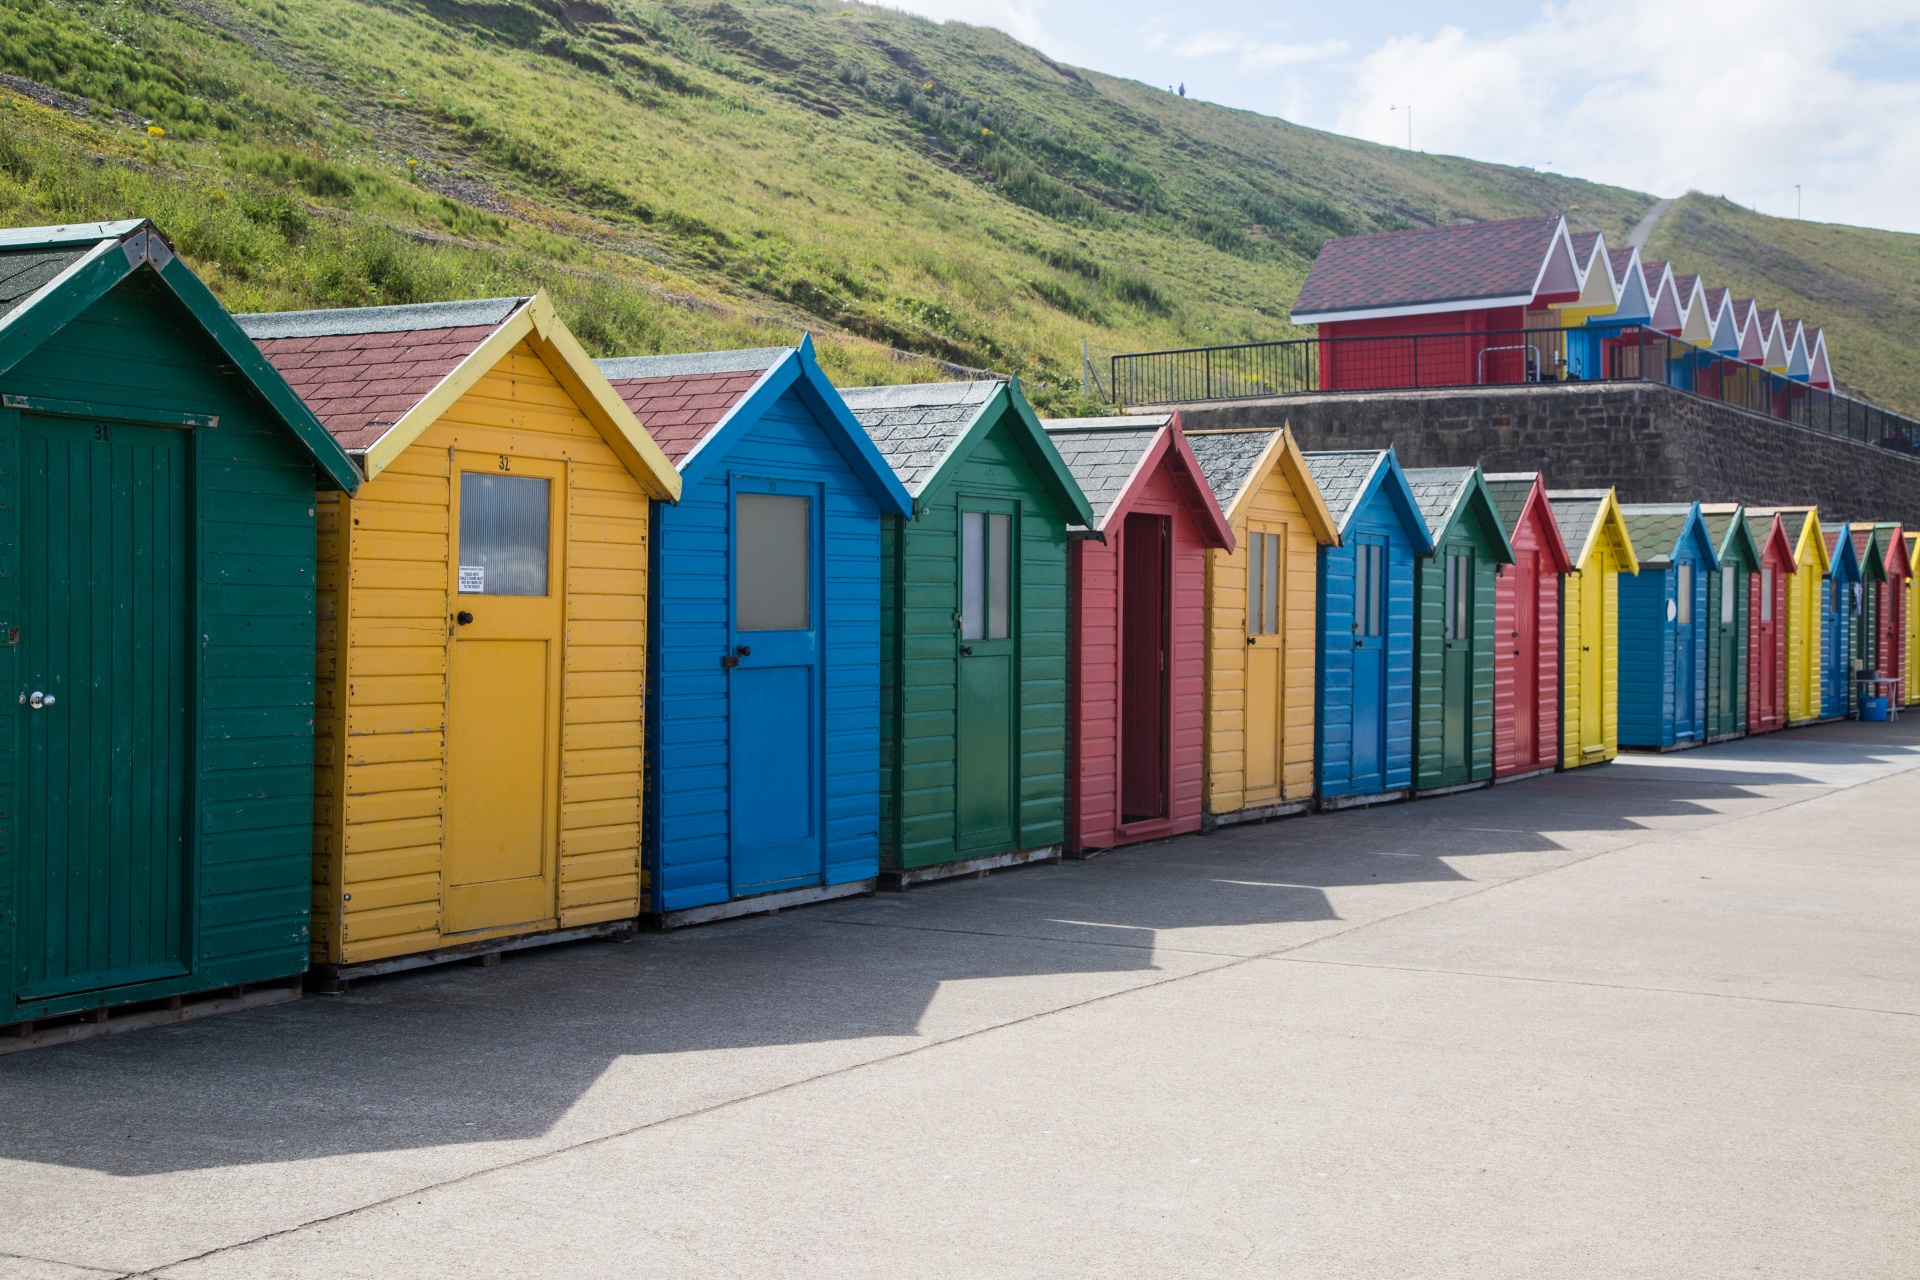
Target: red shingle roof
360, 384
1484, 261
679, 411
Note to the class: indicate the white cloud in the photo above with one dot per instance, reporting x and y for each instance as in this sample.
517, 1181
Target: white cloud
1741, 98
1018, 18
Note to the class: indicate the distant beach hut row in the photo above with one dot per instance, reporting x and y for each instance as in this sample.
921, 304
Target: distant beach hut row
378, 637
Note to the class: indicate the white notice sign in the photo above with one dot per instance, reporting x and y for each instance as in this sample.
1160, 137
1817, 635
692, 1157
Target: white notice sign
473, 579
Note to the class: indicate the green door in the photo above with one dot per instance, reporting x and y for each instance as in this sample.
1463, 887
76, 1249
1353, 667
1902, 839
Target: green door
987, 684
1726, 637
105, 641
1457, 671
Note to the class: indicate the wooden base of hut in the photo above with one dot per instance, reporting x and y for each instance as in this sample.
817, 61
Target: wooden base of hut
115, 1020
764, 904
1257, 813
334, 979
1332, 804
900, 879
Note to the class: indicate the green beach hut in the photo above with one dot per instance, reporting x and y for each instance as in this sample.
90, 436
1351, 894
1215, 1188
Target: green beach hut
1728, 607
973, 647
157, 486
1454, 639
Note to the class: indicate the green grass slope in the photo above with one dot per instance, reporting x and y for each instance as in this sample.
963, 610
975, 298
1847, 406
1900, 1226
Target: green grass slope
688, 174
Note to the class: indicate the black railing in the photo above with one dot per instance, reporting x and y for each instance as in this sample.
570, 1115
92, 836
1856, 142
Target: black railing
1497, 358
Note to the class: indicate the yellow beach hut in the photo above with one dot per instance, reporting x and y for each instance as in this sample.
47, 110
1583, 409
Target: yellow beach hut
1596, 535
1806, 608
482, 634
1262, 601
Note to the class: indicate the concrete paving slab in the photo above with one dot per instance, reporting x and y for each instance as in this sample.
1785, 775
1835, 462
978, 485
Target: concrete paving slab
1649, 1019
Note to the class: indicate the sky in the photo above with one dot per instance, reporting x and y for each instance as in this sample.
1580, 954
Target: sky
1804, 108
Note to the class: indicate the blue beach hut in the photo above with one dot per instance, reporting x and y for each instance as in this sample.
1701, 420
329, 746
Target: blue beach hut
1363, 713
763, 690
1840, 624
1663, 627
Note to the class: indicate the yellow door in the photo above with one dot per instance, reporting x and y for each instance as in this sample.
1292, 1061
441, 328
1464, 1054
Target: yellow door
503, 693
1593, 653
1266, 659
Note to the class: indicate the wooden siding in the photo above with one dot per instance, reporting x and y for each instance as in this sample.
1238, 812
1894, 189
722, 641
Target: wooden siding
1093, 820
1529, 535
1275, 507
385, 557
1333, 715
1429, 656
1806, 632
1735, 722
1649, 692
687, 834
250, 767
919, 673
1602, 574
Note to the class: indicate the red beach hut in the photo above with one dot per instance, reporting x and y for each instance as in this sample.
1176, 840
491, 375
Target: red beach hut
1526, 628
1138, 646
1767, 624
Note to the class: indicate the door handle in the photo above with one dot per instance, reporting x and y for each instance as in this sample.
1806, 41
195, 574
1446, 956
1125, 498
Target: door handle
1251, 640
967, 649
36, 699
463, 617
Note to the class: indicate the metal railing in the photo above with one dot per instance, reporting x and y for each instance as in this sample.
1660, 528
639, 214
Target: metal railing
1508, 357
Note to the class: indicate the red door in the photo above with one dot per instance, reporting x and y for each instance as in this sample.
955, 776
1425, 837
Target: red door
1145, 554
1762, 622
1526, 658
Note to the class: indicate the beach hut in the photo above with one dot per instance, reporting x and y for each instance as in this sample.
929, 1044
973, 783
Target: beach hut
1363, 715
1912, 684
1526, 628
1808, 600
1838, 695
157, 585
1597, 542
1890, 650
1768, 652
763, 705
1454, 642
482, 623
1871, 626
1262, 602
1664, 627
1729, 620
1137, 680
973, 629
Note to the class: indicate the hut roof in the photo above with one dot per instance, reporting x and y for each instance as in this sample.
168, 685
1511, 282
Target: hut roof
1509, 490
1342, 476
1436, 269
1585, 516
1447, 495
1657, 529
1227, 458
1104, 454
1236, 461
24, 272
682, 398
1727, 526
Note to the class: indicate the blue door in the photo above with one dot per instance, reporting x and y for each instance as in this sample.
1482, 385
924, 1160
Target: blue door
1833, 681
1369, 665
1685, 724
773, 670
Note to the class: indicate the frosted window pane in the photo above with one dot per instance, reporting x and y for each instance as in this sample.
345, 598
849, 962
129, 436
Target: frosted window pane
1272, 593
1727, 602
1683, 587
772, 557
1766, 595
1256, 583
503, 535
973, 575
1000, 528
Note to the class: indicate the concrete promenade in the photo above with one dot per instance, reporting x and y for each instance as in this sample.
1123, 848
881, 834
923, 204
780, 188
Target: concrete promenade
1656, 1019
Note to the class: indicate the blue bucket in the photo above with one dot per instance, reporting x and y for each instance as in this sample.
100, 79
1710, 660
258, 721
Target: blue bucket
1873, 708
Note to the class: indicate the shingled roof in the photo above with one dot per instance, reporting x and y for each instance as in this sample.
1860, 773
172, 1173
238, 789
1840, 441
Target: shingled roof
917, 425
1104, 453
1438, 490
1656, 528
1509, 490
1227, 458
1727, 526
679, 399
1342, 476
24, 272
1438, 269
361, 368
1576, 511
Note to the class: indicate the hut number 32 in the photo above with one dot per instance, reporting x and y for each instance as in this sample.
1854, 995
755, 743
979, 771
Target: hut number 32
504, 464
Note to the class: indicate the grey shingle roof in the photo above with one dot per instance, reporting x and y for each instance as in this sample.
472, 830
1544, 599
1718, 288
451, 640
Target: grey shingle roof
1103, 452
25, 271
1655, 528
1341, 475
1509, 490
1226, 459
1437, 491
1719, 519
1575, 510
916, 426
337, 321
750, 360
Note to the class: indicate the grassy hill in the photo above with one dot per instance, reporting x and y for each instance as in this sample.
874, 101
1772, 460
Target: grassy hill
689, 174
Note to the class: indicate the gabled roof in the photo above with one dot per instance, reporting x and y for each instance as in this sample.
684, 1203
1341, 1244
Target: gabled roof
926, 429
1889, 539
1819, 372
378, 377
1696, 325
1520, 496
1588, 518
1725, 338
1773, 341
702, 402
1663, 300
1432, 270
1802, 527
1599, 288
1769, 529
1843, 561
1113, 459
1727, 525
1631, 284
1237, 462
1348, 478
1799, 356
1746, 320
1658, 529
1448, 495
50, 275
